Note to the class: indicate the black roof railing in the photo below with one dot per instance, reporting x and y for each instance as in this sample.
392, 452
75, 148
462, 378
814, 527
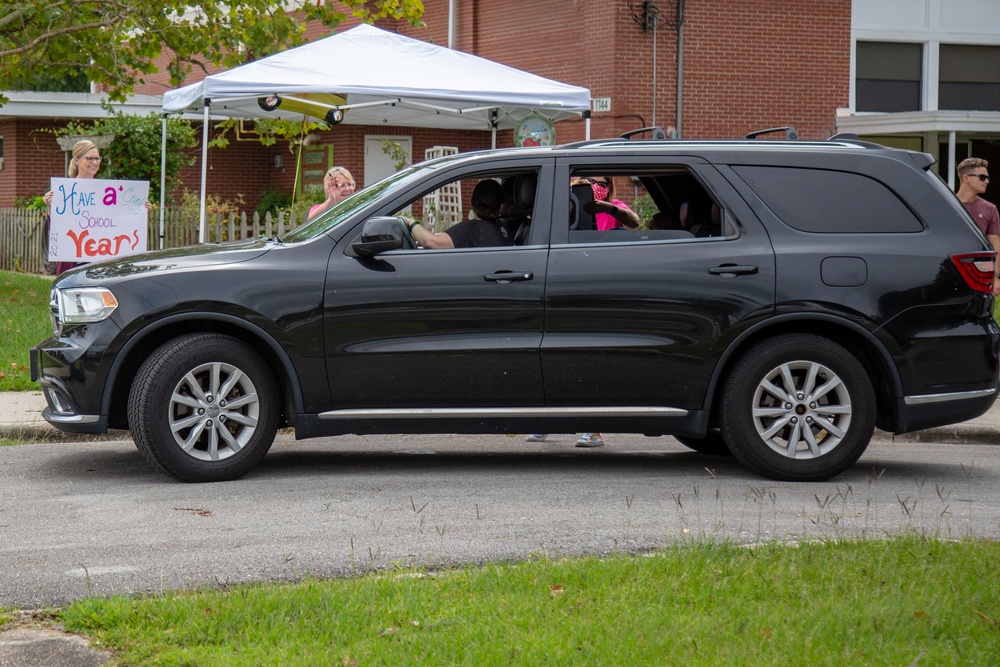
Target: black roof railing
790, 133
659, 134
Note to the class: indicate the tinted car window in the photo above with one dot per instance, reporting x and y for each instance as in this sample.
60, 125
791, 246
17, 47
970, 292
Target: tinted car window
829, 202
670, 204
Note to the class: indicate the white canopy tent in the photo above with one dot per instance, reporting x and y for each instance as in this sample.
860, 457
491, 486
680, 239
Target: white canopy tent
384, 79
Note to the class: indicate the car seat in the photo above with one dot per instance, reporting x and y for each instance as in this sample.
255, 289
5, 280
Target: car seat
523, 196
579, 196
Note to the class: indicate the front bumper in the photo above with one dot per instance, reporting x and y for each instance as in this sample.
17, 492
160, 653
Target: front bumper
67, 381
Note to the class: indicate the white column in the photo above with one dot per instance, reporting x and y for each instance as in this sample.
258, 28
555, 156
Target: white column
951, 160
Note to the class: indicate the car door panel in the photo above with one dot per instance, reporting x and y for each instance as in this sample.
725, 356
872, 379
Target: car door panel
646, 323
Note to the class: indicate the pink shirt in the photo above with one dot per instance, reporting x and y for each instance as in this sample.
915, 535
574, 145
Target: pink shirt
606, 220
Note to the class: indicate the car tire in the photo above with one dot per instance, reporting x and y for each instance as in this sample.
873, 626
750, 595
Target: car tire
817, 430
712, 444
203, 409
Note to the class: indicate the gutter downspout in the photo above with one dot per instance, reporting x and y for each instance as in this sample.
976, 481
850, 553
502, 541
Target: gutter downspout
451, 24
680, 66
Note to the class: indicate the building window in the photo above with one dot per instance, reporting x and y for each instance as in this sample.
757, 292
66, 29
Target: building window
970, 78
888, 76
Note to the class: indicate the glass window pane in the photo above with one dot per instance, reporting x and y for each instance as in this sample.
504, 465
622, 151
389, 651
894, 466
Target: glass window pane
830, 202
970, 78
888, 76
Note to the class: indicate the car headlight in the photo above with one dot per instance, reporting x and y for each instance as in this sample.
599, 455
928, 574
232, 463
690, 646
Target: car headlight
85, 305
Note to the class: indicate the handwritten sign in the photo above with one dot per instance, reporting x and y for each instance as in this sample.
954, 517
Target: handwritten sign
94, 219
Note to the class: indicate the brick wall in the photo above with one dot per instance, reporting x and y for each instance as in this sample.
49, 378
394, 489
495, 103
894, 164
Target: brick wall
31, 158
748, 65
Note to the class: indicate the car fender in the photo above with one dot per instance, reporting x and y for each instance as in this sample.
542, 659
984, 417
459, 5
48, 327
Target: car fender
255, 330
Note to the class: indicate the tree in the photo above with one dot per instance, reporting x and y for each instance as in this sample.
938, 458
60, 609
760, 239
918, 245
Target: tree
115, 42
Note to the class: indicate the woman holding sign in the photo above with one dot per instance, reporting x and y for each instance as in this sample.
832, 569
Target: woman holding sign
84, 164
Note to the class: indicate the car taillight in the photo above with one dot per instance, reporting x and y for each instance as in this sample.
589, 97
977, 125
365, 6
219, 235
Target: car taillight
977, 269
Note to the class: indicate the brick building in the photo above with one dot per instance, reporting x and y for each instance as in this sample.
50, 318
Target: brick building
700, 68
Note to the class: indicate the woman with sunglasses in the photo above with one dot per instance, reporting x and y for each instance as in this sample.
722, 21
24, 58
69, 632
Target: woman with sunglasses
85, 162
609, 211
338, 184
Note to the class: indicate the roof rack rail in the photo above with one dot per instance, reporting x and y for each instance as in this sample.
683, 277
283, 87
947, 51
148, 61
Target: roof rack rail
840, 136
790, 133
659, 134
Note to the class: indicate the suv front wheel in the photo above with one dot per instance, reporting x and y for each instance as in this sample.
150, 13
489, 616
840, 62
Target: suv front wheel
203, 408
798, 407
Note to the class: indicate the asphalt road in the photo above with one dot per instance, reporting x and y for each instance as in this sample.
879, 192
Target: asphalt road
80, 519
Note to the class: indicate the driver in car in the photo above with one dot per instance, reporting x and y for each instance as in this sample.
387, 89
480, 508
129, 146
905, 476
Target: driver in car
487, 229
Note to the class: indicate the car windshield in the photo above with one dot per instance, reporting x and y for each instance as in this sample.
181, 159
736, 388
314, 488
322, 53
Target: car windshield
359, 200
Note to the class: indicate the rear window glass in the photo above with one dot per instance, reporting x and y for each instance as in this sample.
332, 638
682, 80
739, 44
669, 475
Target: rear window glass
829, 202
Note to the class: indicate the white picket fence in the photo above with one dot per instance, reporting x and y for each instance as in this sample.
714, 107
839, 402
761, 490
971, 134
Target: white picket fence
22, 233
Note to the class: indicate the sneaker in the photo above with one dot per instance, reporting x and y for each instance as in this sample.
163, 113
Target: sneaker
536, 437
590, 440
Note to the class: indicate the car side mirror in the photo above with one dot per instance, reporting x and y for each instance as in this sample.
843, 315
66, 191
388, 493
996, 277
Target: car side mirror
379, 235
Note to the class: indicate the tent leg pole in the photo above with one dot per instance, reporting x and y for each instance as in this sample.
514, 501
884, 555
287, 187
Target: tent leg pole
204, 170
163, 177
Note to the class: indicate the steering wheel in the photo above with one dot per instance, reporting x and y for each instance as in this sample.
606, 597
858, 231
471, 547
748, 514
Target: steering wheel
408, 242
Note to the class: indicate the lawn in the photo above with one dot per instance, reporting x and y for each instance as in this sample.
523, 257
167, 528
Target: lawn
903, 601
24, 302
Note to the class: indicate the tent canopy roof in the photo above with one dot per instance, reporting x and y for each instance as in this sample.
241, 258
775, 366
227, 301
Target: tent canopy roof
387, 79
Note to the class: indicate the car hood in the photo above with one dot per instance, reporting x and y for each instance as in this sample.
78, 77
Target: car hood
189, 257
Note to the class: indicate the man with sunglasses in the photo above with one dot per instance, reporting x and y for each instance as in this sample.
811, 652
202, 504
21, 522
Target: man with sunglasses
974, 178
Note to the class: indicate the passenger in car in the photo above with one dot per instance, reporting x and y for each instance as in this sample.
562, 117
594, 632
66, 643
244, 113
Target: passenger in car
665, 219
611, 212
487, 229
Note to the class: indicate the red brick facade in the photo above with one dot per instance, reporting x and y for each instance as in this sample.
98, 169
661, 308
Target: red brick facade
748, 65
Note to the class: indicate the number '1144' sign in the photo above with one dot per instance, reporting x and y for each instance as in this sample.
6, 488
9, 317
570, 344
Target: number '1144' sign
92, 219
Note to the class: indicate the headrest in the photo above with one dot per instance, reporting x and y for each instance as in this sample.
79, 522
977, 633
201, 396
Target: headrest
524, 190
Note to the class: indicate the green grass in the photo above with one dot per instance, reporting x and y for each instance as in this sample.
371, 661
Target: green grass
24, 322
903, 601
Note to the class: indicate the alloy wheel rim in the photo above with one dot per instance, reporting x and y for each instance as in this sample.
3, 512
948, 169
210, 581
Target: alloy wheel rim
802, 410
213, 411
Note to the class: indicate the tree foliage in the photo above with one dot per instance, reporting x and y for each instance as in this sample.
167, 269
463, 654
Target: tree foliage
115, 42
134, 153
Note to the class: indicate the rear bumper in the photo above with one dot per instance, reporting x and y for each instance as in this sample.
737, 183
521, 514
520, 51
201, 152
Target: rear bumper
931, 410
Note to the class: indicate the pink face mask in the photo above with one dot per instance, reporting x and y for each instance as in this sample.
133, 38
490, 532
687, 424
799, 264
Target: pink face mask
600, 191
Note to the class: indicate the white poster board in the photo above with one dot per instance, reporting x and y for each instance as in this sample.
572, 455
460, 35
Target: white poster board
93, 219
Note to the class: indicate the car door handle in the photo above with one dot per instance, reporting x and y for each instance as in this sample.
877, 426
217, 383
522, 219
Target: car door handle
733, 270
508, 276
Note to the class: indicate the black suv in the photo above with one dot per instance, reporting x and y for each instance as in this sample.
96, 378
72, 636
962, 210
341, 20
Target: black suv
779, 300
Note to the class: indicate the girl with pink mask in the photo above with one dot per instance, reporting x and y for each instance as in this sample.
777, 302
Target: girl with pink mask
609, 211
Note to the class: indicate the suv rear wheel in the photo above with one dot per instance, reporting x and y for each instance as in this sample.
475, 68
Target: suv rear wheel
203, 409
798, 407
